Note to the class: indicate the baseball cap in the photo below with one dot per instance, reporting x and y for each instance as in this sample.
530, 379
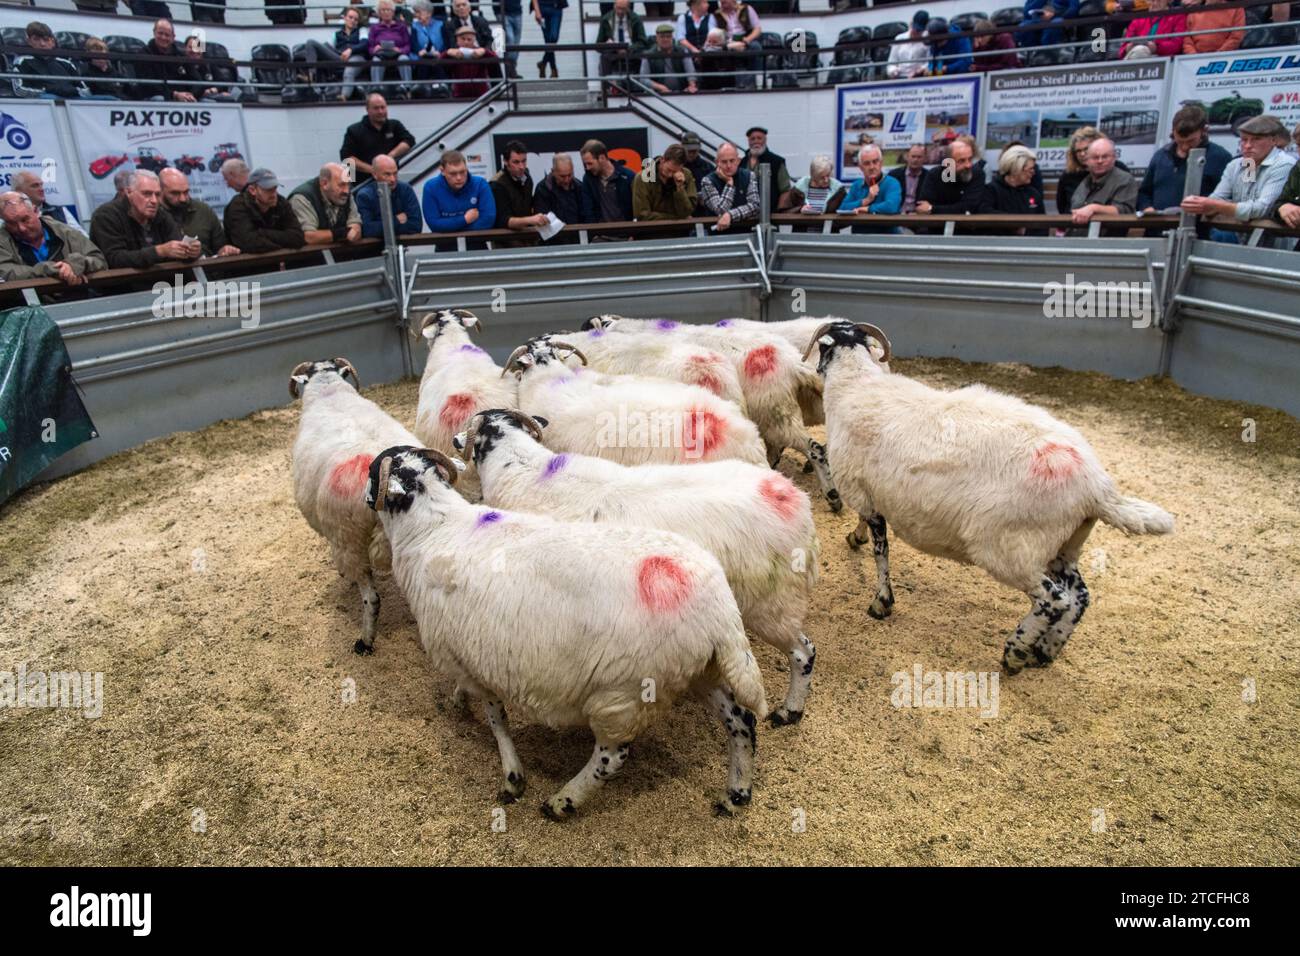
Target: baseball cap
263, 177
690, 139
920, 19
936, 26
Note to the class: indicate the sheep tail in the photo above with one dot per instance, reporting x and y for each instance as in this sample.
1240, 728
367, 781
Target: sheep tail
808, 390
739, 670
1135, 516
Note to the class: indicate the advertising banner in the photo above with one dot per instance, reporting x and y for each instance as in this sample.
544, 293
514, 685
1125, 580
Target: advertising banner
897, 115
195, 138
1041, 108
1234, 87
29, 141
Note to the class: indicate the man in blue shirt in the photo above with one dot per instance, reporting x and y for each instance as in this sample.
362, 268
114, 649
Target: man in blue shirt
1162, 186
943, 44
873, 194
406, 208
457, 201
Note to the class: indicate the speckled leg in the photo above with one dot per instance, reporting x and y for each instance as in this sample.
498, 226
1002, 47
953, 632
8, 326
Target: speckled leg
802, 659
369, 616
606, 761
1051, 602
495, 712
816, 452
742, 735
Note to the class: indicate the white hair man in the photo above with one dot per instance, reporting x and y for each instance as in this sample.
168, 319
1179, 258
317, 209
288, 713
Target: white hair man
39, 247
136, 232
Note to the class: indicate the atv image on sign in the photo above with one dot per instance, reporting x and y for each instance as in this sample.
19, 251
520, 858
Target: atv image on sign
224, 152
188, 164
150, 159
106, 164
14, 133
1229, 112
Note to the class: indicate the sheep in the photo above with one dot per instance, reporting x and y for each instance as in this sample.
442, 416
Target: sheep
973, 475
571, 624
339, 432
630, 419
755, 522
459, 379
780, 390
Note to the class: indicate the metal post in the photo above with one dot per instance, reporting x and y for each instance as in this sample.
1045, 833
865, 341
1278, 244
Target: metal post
393, 272
765, 198
1192, 185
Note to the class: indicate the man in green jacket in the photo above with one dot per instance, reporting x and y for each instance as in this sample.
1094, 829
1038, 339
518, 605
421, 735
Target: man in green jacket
36, 247
666, 190
261, 220
194, 216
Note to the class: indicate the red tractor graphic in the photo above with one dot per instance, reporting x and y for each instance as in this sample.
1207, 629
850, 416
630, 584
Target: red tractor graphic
106, 164
224, 152
188, 164
150, 159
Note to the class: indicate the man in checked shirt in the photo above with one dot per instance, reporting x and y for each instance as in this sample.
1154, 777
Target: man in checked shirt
730, 193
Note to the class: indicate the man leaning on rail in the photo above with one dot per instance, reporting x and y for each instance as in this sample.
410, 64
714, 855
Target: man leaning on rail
325, 209
194, 216
1252, 182
407, 219
259, 219
136, 232
36, 247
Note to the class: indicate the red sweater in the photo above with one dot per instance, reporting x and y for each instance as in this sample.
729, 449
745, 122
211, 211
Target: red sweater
1157, 28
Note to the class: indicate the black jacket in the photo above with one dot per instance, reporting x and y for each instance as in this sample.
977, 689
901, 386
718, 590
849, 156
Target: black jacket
482, 32
512, 198
110, 81
1015, 200
159, 77
569, 205
956, 197
124, 242
900, 173
254, 231
365, 142
39, 64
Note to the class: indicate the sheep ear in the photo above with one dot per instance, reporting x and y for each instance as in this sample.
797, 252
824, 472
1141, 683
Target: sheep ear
826, 340
468, 319
430, 331
541, 422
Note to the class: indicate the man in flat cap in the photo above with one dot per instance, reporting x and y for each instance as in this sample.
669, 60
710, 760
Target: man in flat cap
760, 155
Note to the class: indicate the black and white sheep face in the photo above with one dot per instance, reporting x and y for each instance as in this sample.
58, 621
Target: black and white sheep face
839, 335
409, 471
437, 322
600, 322
486, 430
306, 371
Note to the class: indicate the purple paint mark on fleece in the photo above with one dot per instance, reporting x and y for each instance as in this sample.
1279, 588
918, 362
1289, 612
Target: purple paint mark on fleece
557, 464
724, 324
665, 325
595, 333
488, 517
470, 348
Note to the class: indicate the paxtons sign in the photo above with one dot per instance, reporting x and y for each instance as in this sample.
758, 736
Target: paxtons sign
194, 139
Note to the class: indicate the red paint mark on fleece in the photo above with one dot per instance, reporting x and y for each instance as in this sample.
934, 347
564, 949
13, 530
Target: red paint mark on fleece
1054, 463
761, 362
702, 433
662, 584
781, 495
347, 478
703, 370
456, 411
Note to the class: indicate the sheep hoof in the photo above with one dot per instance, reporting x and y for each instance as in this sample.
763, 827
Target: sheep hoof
879, 610
720, 809
1011, 667
808, 467
361, 647
506, 797
853, 541
559, 814
836, 503
784, 717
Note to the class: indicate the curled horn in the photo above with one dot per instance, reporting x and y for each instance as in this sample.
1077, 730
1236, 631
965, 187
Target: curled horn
297, 370
526, 422
381, 489
345, 367
429, 318
879, 336
440, 459
510, 362
463, 313
572, 349
821, 330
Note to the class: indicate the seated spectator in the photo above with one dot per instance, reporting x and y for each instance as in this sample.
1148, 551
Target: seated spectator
325, 209
426, 46
911, 175
978, 167
1208, 18
103, 77
668, 192
1046, 11
455, 200
988, 42
41, 62
235, 174
674, 72
32, 186
1286, 208
1012, 190
405, 204
208, 11
259, 219
697, 164
910, 54
200, 69
461, 17
560, 193
1076, 169
40, 247
608, 187
714, 61
512, 192
691, 29
373, 135
953, 188
194, 216
731, 193
1251, 183
760, 155
121, 179
743, 28
811, 194
948, 54
1162, 186
1152, 33
469, 66
135, 231
389, 44
874, 193
164, 80
349, 50
1106, 190
624, 28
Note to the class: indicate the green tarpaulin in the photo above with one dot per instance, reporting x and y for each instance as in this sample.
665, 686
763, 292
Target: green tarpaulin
41, 414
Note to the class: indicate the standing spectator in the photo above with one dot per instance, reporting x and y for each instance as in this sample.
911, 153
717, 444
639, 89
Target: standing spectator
32, 186
1207, 18
911, 175
136, 232
259, 219
954, 189
389, 44
1152, 33
426, 46
909, 54
455, 200
1162, 186
511, 15
325, 209
549, 15
989, 42
692, 27
674, 71
1252, 182
405, 204
285, 11
760, 155
622, 27
608, 187
661, 9
461, 17
512, 192
41, 62
811, 194
1107, 189
560, 193
373, 135
235, 174
1042, 12
194, 216
668, 192
103, 77
208, 11
155, 78
469, 65
731, 193
874, 193
948, 54
743, 28
1012, 189
350, 49
40, 247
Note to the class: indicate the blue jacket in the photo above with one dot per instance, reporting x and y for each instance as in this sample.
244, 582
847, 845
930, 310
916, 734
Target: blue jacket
444, 210
372, 223
889, 197
1162, 186
954, 46
422, 37
623, 186
1061, 9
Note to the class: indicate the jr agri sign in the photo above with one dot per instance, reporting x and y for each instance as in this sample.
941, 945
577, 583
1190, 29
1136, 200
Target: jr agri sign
194, 138
1235, 87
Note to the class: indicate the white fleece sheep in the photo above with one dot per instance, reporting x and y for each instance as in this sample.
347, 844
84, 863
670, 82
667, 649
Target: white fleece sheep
631, 419
973, 475
459, 379
757, 524
570, 624
339, 434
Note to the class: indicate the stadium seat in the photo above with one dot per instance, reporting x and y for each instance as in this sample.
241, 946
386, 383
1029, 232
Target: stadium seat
13, 36
885, 31
223, 67
1008, 17
71, 40
6, 85
775, 60
966, 21
808, 62
1260, 37
121, 44
276, 76
847, 58
1096, 8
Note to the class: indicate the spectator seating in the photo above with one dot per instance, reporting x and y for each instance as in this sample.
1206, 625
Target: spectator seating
280, 75
123, 44
806, 63
880, 54
848, 58
71, 40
